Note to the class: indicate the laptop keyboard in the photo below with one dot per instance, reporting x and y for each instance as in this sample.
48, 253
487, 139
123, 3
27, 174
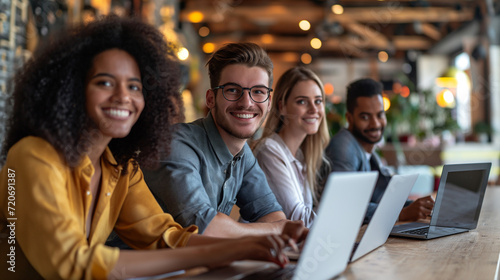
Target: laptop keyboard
272, 273
418, 231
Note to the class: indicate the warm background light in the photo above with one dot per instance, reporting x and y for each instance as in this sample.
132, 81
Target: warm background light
405, 91
315, 43
306, 58
290, 57
165, 11
328, 89
337, 9
195, 17
383, 56
304, 25
267, 38
396, 87
387, 102
183, 54
445, 99
189, 112
335, 99
204, 31
446, 82
208, 48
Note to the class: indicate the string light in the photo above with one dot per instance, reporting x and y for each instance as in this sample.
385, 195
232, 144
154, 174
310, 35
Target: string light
183, 54
383, 56
195, 16
208, 48
304, 25
316, 43
337, 9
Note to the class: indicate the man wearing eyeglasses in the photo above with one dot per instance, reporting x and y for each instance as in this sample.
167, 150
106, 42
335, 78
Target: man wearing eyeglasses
210, 167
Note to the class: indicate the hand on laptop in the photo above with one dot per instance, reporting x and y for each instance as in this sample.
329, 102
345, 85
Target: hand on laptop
262, 247
417, 210
296, 231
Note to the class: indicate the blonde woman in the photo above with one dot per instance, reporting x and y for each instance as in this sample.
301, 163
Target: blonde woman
290, 151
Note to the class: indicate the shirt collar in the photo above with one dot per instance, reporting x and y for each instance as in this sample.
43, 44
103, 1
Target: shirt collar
299, 156
106, 158
221, 151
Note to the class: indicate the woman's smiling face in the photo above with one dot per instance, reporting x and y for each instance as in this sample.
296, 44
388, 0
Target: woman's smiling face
114, 99
304, 109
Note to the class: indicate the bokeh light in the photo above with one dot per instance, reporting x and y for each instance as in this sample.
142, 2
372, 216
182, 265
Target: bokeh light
316, 43
208, 48
304, 25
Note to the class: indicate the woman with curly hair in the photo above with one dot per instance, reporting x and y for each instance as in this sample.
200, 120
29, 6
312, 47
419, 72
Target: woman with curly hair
290, 151
88, 110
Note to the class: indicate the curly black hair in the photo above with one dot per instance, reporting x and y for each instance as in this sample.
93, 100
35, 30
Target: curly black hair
49, 92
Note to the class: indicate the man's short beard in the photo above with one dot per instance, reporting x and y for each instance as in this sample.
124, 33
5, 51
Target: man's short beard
359, 135
232, 132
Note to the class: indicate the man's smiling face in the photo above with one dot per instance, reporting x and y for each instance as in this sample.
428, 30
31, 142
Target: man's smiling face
239, 119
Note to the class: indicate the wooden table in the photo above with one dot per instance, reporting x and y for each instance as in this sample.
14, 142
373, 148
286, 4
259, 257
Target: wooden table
471, 255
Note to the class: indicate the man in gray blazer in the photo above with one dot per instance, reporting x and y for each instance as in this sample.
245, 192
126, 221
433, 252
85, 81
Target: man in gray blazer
352, 149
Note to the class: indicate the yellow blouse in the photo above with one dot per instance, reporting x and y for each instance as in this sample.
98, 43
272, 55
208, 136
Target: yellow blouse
44, 206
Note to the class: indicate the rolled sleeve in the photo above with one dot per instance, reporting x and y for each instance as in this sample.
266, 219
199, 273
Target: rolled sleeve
255, 197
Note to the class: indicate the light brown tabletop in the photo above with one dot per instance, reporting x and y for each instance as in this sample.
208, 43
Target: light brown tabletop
470, 255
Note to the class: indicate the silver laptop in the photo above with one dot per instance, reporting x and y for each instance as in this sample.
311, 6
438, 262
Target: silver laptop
458, 203
385, 215
330, 240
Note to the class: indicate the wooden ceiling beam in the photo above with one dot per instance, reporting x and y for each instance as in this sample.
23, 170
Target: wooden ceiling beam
388, 15
411, 43
348, 45
369, 28
265, 14
274, 13
368, 36
431, 31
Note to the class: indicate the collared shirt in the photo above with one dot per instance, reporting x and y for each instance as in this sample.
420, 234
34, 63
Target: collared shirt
286, 176
200, 177
51, 206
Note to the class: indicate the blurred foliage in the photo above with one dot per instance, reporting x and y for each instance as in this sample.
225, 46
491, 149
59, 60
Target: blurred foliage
418, 114
335, 116
483, 127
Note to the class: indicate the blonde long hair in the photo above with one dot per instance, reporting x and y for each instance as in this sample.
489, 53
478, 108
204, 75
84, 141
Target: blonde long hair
313, 145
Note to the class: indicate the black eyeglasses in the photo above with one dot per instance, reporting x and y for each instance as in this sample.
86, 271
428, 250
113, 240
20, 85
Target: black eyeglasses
233, 92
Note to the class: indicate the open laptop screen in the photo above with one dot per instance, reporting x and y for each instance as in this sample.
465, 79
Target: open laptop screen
462, 190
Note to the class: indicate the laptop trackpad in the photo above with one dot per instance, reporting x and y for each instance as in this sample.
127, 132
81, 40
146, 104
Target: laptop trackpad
435, 231
408, 226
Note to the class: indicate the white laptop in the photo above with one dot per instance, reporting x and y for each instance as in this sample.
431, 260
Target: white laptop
458, 203
330, 240
385, 215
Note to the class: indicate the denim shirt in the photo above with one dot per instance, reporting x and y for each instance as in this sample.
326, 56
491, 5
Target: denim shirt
200, 177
